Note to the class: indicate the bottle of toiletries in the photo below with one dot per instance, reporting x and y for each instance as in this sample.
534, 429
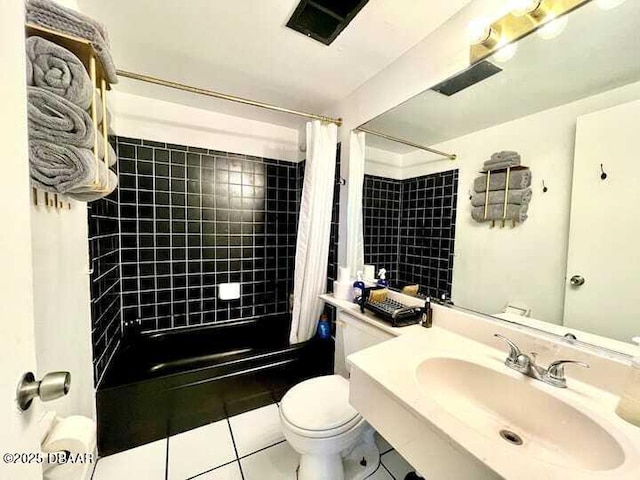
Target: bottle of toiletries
324, 327
358, 287
629, 405
382, 278
427, 316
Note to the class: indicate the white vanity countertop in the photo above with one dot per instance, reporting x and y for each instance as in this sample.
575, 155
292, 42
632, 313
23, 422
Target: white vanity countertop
401, 380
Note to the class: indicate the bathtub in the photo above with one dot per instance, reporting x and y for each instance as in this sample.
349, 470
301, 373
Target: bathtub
161, 384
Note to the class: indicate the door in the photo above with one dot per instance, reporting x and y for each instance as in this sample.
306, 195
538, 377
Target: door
18, 430
604, 258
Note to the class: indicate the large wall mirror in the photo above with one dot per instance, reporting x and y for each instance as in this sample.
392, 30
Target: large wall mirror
567, 259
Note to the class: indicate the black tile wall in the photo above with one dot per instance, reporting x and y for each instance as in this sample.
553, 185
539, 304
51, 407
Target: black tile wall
104, 250
409, 228
183, 220
381, 201
193, 218
428, 232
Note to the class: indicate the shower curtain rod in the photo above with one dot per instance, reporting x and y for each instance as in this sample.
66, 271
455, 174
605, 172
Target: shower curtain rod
223, 96
450, 156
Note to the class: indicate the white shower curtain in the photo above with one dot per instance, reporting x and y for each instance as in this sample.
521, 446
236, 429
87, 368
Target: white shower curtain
314, 227
355, 240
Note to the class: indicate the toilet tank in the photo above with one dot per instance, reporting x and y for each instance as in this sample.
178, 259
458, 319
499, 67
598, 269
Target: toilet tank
353, 335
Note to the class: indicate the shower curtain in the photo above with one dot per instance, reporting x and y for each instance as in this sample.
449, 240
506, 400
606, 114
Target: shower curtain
314, 227
355, 234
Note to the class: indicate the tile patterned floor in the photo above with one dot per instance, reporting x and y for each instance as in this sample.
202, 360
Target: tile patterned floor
249, 446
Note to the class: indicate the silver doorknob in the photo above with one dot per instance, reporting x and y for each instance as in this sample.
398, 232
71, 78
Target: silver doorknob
53, 385
577, 280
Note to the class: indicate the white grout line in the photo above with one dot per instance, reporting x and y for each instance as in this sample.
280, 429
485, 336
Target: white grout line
119, 243
104, 370
170, 206
155, 252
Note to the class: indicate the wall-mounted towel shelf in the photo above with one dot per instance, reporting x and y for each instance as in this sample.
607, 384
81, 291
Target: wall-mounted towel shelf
506, 195
502, 194
86, 53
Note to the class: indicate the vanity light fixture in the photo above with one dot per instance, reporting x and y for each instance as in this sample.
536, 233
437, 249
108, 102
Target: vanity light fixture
553, 28
525, 17
505, 53
537, 9
481, 32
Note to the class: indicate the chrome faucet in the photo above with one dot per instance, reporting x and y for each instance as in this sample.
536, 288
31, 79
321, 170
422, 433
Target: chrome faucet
526, 364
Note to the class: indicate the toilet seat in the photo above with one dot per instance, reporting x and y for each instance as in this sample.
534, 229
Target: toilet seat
319, 408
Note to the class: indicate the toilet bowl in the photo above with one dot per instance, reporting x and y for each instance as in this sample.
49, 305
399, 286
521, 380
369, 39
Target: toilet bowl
332, 438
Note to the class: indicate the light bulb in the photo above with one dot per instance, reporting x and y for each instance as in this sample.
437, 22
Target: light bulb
609, 4
506, 53
553, 28
520, 8
478, 30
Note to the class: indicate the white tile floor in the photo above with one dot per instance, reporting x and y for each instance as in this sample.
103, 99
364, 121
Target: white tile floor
249, 446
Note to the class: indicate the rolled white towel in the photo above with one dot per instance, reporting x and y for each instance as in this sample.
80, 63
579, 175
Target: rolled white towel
515, 197
502, 156
517, 179
68, 170
58, 70
54, 119
496, 212
52, 15
57, 120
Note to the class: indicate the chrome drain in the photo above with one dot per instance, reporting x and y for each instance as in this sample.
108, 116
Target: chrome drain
512, 438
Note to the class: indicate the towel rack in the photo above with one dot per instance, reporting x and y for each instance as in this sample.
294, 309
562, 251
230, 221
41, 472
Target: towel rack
507, 171
83, 49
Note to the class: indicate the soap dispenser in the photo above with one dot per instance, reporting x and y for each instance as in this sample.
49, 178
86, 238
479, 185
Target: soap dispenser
629, 405
358, 287
382, 278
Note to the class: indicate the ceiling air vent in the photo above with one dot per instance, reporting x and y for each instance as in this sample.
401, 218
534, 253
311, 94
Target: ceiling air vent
470, 76
324, 20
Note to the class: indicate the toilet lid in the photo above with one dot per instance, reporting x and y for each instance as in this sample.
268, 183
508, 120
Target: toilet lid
319, 404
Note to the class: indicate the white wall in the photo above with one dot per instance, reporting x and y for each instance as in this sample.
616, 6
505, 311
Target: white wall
383, 163
62, 302
152, 119
527, 264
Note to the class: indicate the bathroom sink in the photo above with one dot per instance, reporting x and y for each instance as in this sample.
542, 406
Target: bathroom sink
505, 408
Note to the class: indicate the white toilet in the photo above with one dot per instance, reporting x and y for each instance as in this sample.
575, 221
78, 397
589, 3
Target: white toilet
332, 438
334, 441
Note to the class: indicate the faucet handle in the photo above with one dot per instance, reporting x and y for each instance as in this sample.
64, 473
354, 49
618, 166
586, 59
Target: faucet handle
555, 372
514, 354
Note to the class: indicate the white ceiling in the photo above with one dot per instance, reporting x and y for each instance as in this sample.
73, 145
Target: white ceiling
598, 51
243, 48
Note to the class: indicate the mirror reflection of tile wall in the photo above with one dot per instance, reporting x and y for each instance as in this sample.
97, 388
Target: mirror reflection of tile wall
409, 229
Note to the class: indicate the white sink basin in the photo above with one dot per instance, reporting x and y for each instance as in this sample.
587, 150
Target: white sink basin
490, 402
